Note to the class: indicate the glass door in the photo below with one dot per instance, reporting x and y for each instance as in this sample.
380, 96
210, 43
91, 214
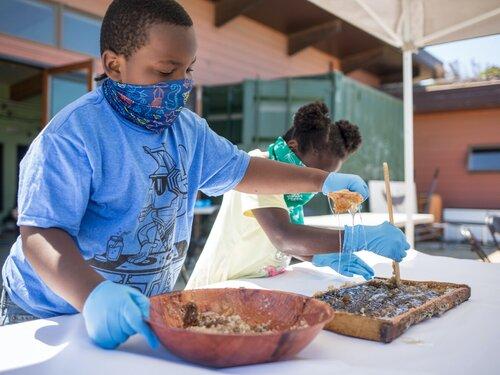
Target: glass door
63, 84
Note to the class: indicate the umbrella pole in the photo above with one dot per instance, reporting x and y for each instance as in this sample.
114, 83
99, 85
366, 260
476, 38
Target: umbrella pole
408, 143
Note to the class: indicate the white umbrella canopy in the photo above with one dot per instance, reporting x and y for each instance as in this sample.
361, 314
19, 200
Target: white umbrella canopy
431, 21
409, 25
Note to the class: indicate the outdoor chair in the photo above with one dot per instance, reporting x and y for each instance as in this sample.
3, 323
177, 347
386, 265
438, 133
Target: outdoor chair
434, 231
474, 244
493, 224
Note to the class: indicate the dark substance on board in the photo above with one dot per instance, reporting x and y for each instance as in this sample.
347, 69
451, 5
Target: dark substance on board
379, 298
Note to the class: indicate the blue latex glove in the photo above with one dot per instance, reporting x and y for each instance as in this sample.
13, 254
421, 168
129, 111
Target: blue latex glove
114, 312
384, 239
339, 181
346, 264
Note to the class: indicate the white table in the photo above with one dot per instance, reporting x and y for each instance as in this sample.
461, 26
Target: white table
367, 218
465, 340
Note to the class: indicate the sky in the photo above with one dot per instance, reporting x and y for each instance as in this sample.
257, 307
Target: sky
484, 51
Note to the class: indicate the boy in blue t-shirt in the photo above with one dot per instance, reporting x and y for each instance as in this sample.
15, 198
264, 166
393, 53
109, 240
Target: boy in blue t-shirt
107, 189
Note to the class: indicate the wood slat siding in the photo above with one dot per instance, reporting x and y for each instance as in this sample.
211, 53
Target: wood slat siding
442, 140
241, 49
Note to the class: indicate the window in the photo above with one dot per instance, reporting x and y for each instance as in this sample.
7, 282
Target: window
80, 33
29, 19
37, 20
484, 158
65, 88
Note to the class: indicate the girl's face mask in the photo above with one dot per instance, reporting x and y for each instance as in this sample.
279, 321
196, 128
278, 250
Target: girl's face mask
280, 151
154, 107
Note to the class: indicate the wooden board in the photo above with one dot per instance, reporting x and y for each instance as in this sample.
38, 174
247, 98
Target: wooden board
387, 329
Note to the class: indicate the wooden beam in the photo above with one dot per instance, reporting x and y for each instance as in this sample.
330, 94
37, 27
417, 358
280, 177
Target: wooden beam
361, 60
86, 64
304, 38
27, 88
397, 76
453, 99
422, 57
226, 10
391, 78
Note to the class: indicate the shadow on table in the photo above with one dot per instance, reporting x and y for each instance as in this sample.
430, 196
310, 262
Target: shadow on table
80, 348
71, 351
52, 335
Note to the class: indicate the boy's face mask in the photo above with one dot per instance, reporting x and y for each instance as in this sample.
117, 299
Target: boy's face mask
154, 107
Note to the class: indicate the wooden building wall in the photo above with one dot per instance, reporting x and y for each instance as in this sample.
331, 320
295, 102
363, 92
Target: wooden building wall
241, 49
442, 140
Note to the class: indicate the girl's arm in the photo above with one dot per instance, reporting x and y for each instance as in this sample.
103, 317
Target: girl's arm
265, 176
54, 256
300, 241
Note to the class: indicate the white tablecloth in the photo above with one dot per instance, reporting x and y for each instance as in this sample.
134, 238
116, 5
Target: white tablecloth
465, 340
367, 218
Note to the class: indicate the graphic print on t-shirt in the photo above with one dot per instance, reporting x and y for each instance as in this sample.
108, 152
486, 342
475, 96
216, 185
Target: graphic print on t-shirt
154, 262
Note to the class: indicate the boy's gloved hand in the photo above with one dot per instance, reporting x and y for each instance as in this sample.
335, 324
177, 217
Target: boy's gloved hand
384, 239
114, 312
338, 181
346, 264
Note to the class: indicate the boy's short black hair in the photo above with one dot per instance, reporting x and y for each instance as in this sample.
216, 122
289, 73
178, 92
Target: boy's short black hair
126, 23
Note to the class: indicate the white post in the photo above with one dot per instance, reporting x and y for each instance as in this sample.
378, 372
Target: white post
408, 143
408, 119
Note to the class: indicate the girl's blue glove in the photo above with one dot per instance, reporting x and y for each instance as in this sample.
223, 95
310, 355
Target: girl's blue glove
114, 312
346, 264
339, 181
384, 239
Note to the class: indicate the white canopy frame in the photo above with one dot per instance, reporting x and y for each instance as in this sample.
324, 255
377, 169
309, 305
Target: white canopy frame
413, 24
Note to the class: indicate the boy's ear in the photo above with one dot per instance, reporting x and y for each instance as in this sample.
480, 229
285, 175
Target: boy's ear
111, 63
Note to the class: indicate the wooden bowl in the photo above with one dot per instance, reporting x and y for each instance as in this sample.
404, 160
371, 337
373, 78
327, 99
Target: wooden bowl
280, 309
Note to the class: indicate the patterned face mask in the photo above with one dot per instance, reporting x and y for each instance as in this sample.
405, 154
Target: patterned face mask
154, 107
280, 151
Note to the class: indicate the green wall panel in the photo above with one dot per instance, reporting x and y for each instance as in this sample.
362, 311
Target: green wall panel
253, 113
380, 118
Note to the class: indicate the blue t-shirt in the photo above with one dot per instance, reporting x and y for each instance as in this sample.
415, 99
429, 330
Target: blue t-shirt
125, 194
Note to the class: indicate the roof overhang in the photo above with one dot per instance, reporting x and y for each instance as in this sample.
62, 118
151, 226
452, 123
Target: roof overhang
308, 25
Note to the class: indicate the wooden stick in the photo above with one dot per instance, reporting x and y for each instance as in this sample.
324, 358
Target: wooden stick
387, 179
